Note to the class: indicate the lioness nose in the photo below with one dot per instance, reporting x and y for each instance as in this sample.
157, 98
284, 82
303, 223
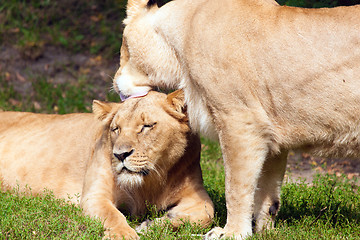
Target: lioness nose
122, 156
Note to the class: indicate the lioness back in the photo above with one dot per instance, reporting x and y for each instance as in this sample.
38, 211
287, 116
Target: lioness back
44, 136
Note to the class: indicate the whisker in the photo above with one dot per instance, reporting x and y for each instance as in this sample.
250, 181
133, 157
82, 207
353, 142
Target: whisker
111, 89
111, 77
144, 172
157, 170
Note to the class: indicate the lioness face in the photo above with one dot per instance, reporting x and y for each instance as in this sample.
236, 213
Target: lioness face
140, 133
146, 58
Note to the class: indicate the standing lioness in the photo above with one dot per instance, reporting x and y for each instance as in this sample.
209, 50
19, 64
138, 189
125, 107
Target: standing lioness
260, 77
130, 154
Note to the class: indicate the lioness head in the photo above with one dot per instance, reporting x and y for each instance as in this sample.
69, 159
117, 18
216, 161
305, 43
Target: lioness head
146, 58
147, 135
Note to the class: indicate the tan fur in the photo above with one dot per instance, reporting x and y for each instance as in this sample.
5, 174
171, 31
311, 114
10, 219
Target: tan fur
73, 155
260, 77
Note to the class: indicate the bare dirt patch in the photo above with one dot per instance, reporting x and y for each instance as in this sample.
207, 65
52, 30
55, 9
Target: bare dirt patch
58, 66
302, 166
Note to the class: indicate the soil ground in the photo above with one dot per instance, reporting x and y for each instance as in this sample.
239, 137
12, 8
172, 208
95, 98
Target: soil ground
60, 66
302, 166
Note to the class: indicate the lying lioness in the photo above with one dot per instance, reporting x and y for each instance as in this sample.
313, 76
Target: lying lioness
260, 77
127, 154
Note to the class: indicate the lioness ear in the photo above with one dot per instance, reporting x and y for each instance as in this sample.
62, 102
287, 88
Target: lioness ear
177, 102
134, 7
104, 111
159, 3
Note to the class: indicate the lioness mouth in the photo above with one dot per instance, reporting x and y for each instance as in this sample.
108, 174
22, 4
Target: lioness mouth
143, 172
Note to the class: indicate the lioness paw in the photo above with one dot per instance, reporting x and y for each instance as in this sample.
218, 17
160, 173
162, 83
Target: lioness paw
215, 233
130, 234
144, 226
220, 233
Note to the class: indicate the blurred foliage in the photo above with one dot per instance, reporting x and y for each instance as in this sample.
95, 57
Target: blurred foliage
92, 25
318, 3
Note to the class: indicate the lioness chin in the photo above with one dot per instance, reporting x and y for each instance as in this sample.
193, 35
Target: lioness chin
260, 77
128, 154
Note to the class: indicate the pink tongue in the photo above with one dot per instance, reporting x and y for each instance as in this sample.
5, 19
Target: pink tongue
140, 94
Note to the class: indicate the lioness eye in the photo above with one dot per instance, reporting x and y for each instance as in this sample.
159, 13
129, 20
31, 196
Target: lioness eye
147, 126
115, 129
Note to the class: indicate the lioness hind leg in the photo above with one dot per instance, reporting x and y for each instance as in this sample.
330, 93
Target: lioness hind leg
195, 207
267, 195
199, 212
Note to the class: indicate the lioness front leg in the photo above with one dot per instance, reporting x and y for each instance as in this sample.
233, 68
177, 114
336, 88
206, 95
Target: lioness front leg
267, 196
114, 221
98, 198
245, 145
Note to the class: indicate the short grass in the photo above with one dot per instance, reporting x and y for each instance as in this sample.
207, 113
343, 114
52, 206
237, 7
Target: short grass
44, 217
326, 209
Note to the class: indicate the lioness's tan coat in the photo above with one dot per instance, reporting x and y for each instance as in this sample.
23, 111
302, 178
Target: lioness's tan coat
128, 155
260, 77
